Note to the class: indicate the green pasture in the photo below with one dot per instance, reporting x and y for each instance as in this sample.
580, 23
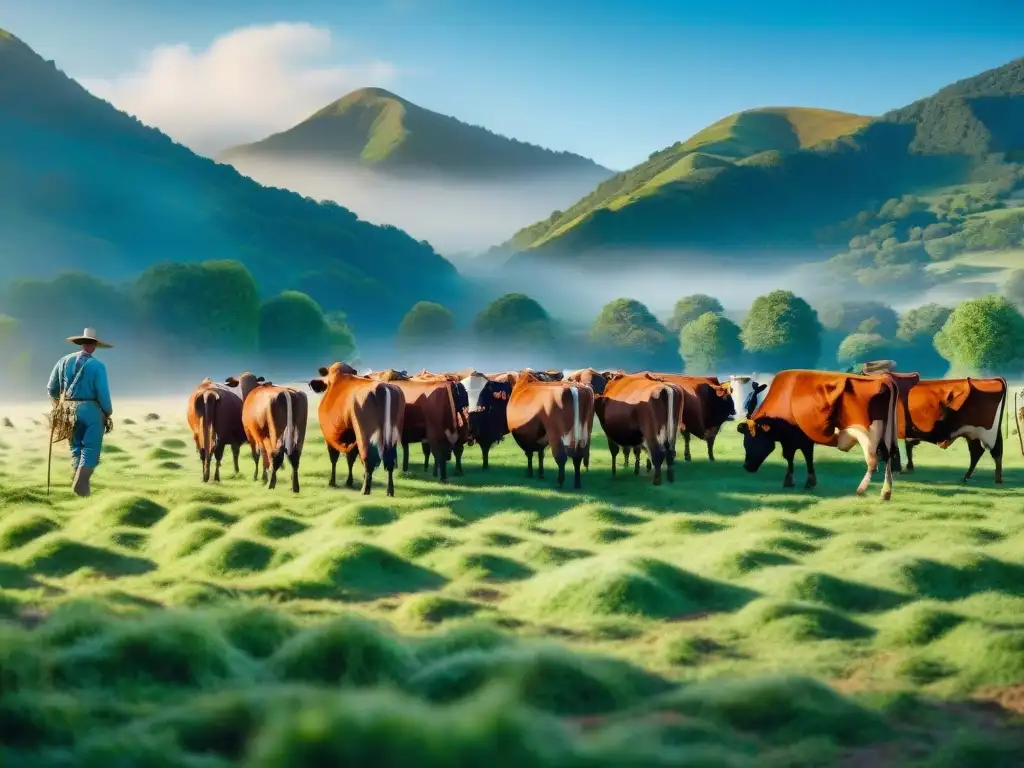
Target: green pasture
718, 620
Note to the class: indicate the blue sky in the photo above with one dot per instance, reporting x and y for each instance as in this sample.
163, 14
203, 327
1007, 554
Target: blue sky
611, 80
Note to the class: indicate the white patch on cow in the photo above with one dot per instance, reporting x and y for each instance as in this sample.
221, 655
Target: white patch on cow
987, 435
573, 437
289, 425
474, 386
868, 439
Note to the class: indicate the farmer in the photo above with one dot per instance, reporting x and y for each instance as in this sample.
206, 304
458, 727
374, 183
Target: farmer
82, 381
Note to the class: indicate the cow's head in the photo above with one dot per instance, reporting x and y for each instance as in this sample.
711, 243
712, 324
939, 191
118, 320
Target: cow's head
246, 382
758, 442
723, 407
750, 401
329, 375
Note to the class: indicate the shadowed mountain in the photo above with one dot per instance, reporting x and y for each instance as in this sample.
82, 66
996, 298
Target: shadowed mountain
86, 186
774, 179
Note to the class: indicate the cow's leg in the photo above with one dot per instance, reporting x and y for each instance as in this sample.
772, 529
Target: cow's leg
293, 459
202, 464
529, 463
886, 456
367, 478
485, 449
812, 478
333, 454
255, 461
578, 457
788, 453
910, 455
218, 457
711, 447
558, 453
649, 465
686, 447
659, 458
457, 453
871, 460
278, 461
405, 456
636, 461
997, 457
540, 463
235, 450
426, 457
977, 450
613, 448
441, 459
670, 464
586, 459
351, 457
897, 459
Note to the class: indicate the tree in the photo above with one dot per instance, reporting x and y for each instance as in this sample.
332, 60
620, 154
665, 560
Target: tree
689, 308
782, 330
514, 318
984, 335
628, 328
922, 323
710, 342
426, 323
211, 306
340, 337
1013, 288
292, 325
864, 347
848, 317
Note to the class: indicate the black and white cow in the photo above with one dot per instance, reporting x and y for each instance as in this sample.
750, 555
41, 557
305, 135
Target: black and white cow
488, 401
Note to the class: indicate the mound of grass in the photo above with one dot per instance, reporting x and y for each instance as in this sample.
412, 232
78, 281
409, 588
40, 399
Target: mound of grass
365, 515
21, 528
800, 622
198, 512
434, 609
488, 566
357, 570
275, 526
840, 594
57, 555
130, 511
187, 541
961, 576
918, 624
233, 555
737, 564
626, 586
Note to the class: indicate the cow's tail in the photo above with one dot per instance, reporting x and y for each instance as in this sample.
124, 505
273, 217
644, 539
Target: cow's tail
290, 433
389, 432
577, 421
206, 411
671, 427
891, 431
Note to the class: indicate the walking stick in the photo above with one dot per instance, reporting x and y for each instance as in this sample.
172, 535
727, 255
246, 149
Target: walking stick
49, 459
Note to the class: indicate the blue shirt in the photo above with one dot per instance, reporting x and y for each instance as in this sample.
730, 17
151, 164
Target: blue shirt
91, 385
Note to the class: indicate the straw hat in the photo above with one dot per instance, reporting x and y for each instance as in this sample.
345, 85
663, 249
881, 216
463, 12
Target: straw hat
89, 337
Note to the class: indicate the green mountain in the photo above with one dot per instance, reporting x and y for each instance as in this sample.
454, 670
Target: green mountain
87, 187
374, 128
795, 179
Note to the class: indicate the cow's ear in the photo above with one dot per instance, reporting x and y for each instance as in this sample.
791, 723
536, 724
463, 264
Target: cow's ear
318, 385
760, 387
322, 370
741, 427
260, 379
231, 381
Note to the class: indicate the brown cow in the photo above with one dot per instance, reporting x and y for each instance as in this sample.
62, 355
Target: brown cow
804, 408
274, 420
642, 409
559, 414
461, 397
432, 415
215, 417
362, 418
597, 381
941, 411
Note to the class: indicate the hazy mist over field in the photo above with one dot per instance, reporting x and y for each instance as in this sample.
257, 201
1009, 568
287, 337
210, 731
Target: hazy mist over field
454, 217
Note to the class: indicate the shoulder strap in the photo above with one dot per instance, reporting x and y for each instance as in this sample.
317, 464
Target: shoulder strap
78, 374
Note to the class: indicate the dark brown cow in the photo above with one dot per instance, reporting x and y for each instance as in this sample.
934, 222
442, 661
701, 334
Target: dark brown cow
274, 420
461, 397
642, 409
362, 418
432, 415
804, 408
940, 411
597, 381
556, 414
215, 418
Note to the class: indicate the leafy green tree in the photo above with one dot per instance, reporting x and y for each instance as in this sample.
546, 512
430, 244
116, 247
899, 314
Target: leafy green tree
689, 308
292, 325
55, 308
628, 323
340, 337
782, 330
426, 323
1013, 288
514, 318
864, 347
922, 323
984, 335
709, 343
210, 305
860, 317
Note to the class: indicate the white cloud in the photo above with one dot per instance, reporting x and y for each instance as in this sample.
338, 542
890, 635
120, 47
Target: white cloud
250, 82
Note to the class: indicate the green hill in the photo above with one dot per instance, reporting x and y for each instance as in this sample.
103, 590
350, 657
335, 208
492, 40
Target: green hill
375, 128
86, 186
794, 178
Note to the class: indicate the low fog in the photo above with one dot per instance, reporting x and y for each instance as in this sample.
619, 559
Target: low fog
455, 218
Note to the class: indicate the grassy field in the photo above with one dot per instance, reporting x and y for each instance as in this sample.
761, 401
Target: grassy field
718, 621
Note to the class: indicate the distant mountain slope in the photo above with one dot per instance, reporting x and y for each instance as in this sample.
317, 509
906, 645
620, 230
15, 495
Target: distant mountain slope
732, 139
375, 128
789, 190
84, 185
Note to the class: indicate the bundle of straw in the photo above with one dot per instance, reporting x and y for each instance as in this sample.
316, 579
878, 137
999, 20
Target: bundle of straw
61, 421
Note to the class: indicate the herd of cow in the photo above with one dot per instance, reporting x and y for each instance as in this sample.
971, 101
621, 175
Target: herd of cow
369, 416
